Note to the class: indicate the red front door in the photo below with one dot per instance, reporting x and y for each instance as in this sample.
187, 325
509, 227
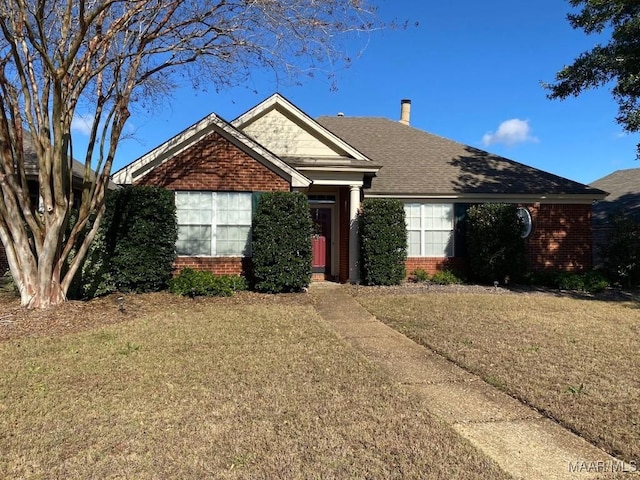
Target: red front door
321, 242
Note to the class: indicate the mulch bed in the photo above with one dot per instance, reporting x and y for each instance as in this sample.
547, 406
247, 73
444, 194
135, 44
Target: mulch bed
75, 316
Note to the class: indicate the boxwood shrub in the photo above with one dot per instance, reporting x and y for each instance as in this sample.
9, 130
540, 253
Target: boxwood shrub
194, 283
383, 242
281, 243
496, 249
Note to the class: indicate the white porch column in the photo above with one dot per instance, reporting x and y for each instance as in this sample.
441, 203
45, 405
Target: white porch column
354, 250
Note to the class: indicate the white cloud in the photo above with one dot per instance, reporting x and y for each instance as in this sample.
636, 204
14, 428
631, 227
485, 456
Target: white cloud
509, 133
82, 124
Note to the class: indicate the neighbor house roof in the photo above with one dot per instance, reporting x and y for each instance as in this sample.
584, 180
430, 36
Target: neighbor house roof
31, 164
624, 195
417, 163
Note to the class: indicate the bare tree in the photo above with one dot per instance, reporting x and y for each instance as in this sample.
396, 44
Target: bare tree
57, 57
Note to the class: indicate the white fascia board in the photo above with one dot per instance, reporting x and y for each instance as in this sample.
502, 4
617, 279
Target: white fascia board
192, 135
477, 198
339, 169
277, 100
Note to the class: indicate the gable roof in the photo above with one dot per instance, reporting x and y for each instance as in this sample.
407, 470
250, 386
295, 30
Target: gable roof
297, 138
196, 132
624, 195
417, 163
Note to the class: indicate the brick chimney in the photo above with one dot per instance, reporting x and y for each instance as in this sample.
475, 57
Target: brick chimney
405, 111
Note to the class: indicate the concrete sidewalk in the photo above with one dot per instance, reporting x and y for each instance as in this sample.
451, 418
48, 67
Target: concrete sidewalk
518, 438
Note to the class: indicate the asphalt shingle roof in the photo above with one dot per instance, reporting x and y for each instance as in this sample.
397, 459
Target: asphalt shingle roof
416, 162
624, 195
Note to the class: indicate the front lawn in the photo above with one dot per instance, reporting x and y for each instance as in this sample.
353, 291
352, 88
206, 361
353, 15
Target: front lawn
576, 360
244, 387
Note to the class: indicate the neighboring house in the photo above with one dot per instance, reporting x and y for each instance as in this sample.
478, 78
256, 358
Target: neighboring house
624, 198
216, 168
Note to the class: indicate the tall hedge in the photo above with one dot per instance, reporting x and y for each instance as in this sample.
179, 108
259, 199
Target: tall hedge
495, 246
134, 249
281, 243
383, 242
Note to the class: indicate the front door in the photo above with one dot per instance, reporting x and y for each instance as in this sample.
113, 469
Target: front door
321, 217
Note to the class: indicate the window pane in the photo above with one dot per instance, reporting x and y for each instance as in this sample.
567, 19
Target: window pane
234, 208
232, 240
438, 244
194, 240
414, 244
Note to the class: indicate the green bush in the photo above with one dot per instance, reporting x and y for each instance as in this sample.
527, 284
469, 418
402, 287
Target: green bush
281, 243
595, 281
592, 281
420, 275
383, 242
445, 277
140, 236
621, 252
195, 283
496, 249
134, 248
570, 281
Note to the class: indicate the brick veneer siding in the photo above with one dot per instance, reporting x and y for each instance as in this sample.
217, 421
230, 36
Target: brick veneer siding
432, 265
561, 239
215, 164
217, 265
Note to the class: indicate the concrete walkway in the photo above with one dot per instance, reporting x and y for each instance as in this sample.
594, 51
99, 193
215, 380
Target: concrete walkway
520, 440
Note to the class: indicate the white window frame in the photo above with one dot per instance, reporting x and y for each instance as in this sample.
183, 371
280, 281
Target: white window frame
424, 229
214, 224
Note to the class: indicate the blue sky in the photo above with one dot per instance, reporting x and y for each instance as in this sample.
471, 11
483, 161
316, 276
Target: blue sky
472, 71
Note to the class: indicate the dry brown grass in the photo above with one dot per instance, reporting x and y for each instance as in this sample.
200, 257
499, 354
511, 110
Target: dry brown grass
249, 387
578, 361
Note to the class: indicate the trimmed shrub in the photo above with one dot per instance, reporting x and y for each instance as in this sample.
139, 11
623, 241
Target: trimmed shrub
446, 277
570, 281
140, 237
420, 275
134, 248
595, 281
497, 251
383, 242
281, 243
621, 252
592, 281
195, 283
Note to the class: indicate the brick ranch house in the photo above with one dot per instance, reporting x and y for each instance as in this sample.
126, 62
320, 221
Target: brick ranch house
216, 167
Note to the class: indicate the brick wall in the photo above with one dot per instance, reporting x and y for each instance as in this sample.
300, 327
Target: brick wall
217, 165
433, 265
561, 239
217, 265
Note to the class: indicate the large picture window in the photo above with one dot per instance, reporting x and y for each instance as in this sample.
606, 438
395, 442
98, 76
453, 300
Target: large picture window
213, 223
429, 229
